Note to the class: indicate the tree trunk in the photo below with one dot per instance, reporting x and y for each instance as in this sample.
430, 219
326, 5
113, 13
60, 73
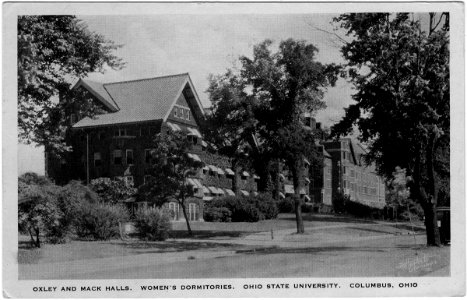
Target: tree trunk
431, 224
431, 202
297, 172
235, 169
33, 242
38, 241
428, 201
276, 180
182, 204
298, 215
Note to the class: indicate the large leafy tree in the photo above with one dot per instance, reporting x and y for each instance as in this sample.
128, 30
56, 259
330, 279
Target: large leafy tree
230, 125
52, 52
47, 210
38, 210
287, 83
401, 75
171, 166
278, 87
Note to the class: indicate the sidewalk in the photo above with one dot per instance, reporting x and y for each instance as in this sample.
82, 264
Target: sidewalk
80, 268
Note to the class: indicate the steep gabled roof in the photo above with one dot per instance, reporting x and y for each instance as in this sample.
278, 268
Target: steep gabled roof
139, 100
98, 90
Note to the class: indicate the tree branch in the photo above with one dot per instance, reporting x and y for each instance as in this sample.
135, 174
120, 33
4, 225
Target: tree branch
330, 33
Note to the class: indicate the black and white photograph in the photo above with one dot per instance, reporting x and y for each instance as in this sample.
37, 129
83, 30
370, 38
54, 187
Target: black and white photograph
233, 149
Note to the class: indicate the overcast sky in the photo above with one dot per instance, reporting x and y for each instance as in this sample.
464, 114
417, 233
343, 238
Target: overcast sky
204, 44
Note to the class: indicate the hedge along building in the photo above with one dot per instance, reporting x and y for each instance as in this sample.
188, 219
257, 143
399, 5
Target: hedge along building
117, 143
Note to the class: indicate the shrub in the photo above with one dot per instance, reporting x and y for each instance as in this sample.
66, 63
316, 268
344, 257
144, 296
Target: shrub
266, 205
286, 205
112, 191
361, 210
71, 198
242, 209
217, 214
30, 178
338, 202
153, 224
38, 210
100, 221
307, 208
357, 209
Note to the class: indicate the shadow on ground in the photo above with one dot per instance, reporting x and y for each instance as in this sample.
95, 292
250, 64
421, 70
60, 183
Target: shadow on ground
328, 249
206, 234
408, 227
331, 218
142, 247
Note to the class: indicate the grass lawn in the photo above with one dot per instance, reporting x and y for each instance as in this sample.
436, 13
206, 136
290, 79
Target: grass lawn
78, 250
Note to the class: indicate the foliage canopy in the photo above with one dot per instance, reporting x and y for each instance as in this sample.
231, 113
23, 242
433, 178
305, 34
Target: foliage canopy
52, 52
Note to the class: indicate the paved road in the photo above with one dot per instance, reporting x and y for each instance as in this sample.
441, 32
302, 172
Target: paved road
324, 252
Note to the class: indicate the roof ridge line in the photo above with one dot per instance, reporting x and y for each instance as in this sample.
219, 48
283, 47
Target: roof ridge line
143, 79
115, 102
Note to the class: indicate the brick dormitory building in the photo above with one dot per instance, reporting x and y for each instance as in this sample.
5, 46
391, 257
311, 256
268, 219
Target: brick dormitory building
118, 143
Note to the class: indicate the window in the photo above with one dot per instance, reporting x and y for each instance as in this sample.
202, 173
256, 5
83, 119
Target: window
117, 157
176, 112
100, 135
345, 184
343, 155
188, 115
97, 159
128, 180
129, 157
345, 170
352, 173
122, 131
173, 209
147, 155
193, 211
73, 119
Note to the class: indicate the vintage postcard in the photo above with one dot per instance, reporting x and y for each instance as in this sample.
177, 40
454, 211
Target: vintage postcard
233, 149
